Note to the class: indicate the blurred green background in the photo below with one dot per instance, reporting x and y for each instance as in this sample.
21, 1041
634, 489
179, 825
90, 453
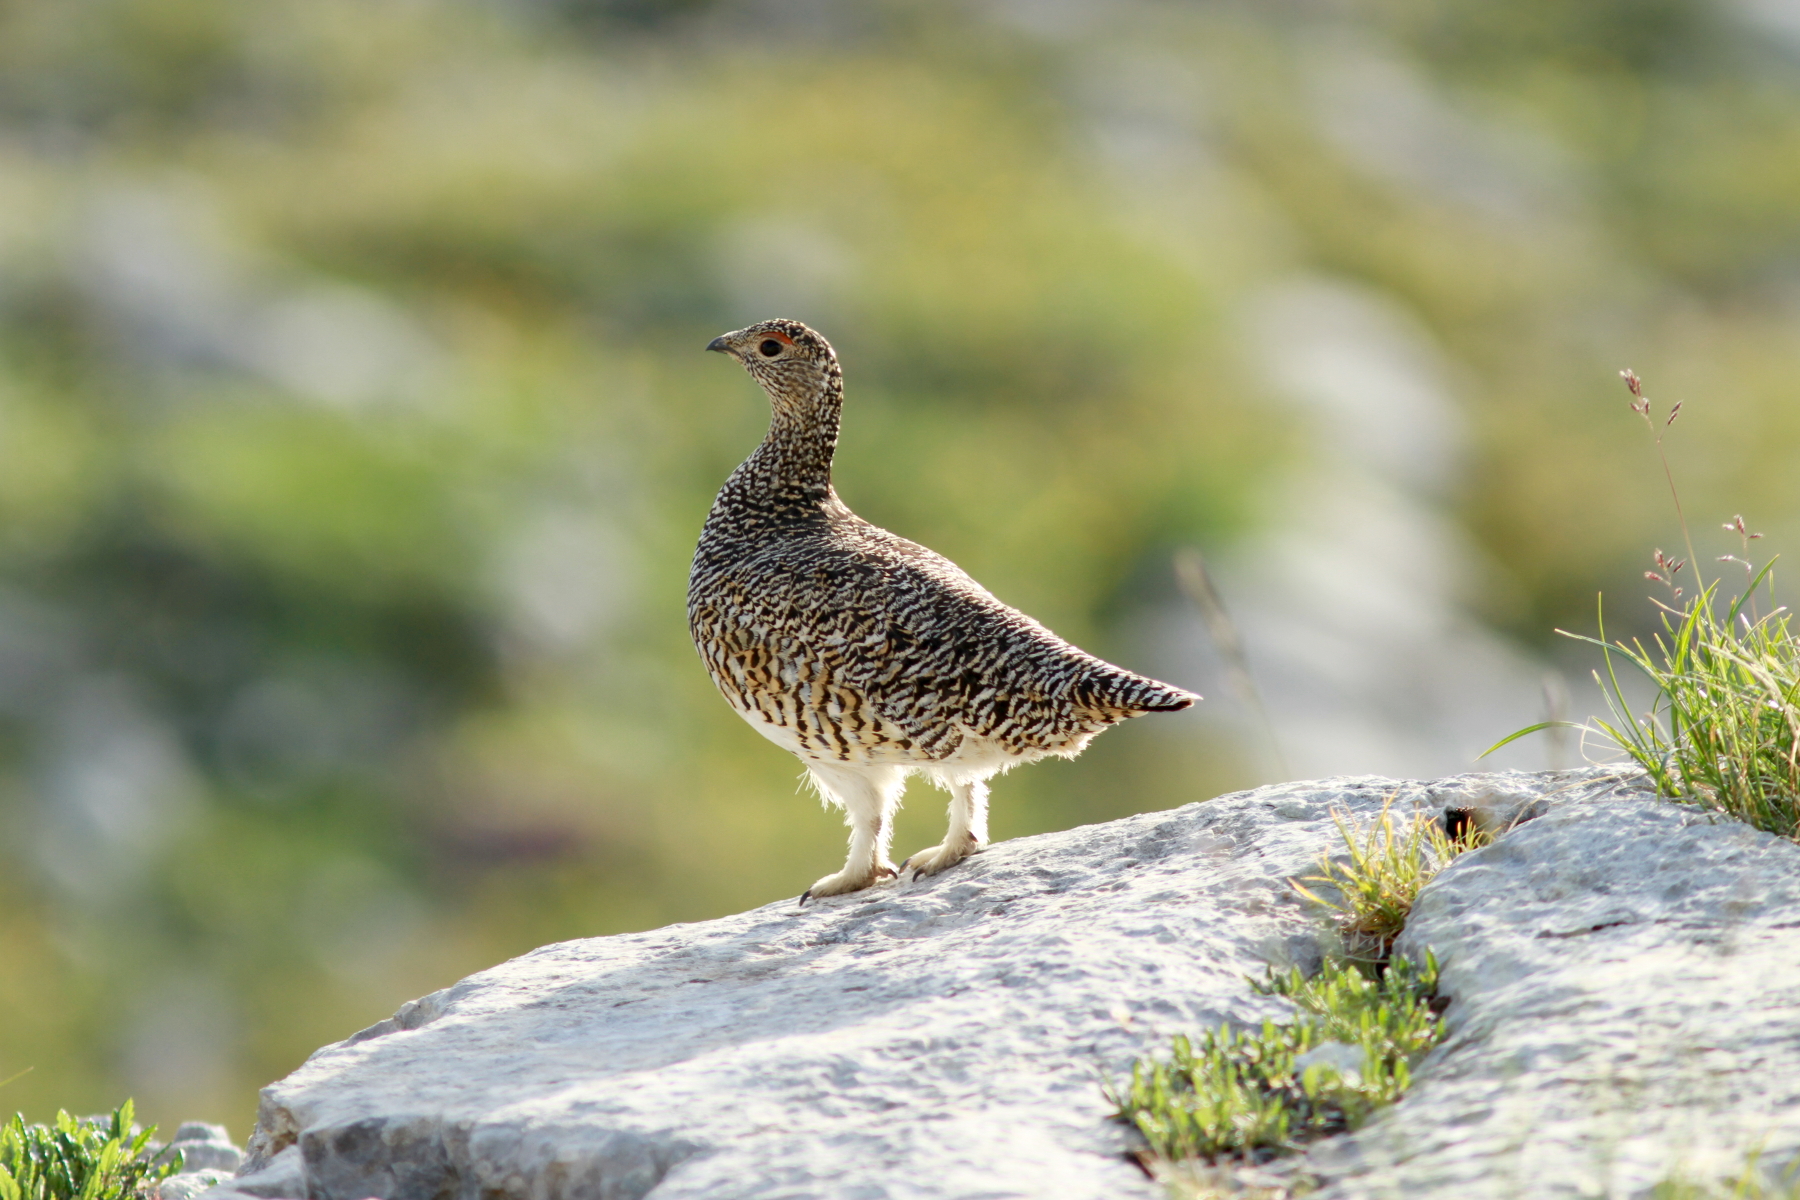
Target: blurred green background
355, 432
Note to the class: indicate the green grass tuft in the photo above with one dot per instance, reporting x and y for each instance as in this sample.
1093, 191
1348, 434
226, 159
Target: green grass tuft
1247, 1093
94, 1158
1388, 862
1723, 729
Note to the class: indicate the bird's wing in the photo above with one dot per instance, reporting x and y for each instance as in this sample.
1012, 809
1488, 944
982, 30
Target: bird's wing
954, 654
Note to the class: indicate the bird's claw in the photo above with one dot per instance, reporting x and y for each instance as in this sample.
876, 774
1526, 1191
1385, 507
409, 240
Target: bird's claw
940, 858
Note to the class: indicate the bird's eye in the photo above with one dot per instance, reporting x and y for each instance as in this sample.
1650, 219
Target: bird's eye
770, 348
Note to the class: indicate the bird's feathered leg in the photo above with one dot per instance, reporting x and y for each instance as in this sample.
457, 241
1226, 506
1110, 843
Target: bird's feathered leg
967, 832
869, 796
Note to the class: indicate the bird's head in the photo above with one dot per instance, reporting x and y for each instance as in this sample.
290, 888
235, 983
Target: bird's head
795, 365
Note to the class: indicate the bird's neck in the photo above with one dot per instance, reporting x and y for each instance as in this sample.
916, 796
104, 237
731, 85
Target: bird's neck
794, 460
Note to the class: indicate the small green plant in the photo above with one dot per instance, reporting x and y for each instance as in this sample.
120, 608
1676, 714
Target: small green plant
96, 1158
1388, 862
1195, 1180
1751, 1183
1722, 728
1257, 1093
1365, 1019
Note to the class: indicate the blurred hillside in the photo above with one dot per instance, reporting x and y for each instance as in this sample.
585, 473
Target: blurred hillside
355, 432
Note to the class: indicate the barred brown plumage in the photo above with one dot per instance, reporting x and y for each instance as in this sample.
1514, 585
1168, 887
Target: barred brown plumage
868, 656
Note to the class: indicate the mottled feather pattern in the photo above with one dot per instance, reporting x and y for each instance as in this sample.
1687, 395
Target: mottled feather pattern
873, 647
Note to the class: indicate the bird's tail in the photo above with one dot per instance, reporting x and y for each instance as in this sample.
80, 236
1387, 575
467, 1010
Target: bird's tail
1116, 691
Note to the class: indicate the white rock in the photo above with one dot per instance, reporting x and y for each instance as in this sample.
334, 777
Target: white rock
208, 1159
949, 1038
189, 1184
282, 1175
209, 1156
1625, 987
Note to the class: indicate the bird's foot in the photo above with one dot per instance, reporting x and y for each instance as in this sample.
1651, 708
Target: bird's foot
939, 857
850, 881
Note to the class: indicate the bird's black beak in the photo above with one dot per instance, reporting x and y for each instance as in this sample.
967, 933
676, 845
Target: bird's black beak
718, 344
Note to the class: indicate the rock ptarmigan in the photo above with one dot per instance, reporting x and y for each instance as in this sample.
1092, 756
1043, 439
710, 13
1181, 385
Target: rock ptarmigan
867, 656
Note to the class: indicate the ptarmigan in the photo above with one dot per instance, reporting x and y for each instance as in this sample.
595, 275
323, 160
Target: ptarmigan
868, 656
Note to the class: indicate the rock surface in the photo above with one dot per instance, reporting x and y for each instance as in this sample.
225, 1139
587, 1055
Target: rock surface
1625, 1005
948, 1038
208, 1159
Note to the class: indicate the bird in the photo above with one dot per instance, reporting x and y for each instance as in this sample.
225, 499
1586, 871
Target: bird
869, 657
